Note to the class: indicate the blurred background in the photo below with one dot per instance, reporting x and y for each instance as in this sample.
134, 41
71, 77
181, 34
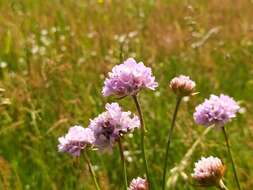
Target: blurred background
55, 55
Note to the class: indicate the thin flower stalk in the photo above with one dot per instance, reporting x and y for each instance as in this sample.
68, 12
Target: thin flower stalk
92, 172
142, 139
222, 186
169, 141
123, 161
231, 157
184, 163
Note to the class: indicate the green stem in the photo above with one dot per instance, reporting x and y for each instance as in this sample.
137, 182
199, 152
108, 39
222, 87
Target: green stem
231, 157
169, 141
123, 163
92, 172
142, 139
222, 186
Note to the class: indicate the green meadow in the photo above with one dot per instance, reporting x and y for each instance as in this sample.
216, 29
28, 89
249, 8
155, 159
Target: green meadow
56, 54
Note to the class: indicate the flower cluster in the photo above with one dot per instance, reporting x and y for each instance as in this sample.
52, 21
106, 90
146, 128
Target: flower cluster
76, 140
182, 85
105, 130
217, 110
208, 171
129, 78
110, 125
138, 184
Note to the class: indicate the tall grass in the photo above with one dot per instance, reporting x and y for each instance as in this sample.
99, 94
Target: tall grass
53, 59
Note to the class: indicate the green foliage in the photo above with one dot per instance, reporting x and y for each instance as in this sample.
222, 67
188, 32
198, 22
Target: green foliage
55, 54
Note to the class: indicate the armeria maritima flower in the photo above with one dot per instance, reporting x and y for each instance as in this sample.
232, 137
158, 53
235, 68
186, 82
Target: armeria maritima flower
76, 140
182, 85
208, 171
109, 126
138, 184
217, 110
129, 78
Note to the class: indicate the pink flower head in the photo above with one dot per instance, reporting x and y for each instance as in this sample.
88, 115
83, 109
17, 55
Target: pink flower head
182, 85
208, 171
76, 140
217, 110
110, 125
138, 184
129, 78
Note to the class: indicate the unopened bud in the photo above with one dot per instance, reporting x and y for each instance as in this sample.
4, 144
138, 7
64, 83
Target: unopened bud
138, 184
182, 85
208, 171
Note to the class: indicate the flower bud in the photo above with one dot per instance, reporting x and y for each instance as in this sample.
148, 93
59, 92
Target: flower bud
208, 171
138, 184
182, 85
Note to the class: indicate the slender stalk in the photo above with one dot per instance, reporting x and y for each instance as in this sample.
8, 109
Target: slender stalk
169, 141
123, 164
92, 172
142, 139
222, 186
184, 163
76, 170
231, 157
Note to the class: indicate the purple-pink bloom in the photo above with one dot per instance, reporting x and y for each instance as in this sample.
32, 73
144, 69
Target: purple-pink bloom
138, 184
77, 139
129, 78
110, 125
217, 110
208, 171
